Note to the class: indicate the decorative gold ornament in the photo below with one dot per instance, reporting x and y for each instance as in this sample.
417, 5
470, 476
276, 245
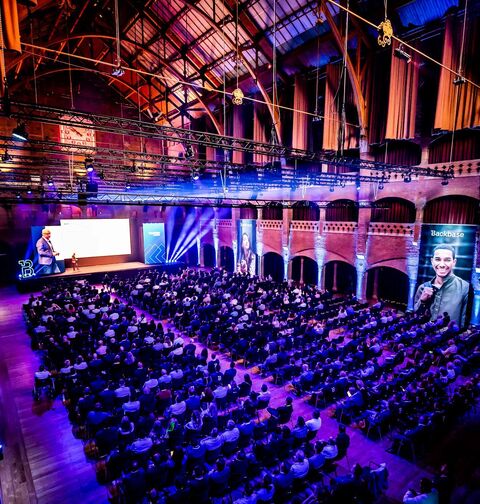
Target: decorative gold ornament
385, 34
237, 96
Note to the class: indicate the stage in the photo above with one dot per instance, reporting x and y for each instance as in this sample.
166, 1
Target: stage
95, 274
105, 268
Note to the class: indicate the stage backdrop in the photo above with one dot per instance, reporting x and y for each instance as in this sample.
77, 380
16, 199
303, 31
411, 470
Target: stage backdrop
247, 246
154, 243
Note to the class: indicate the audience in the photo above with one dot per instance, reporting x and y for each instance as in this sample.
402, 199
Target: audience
172, 425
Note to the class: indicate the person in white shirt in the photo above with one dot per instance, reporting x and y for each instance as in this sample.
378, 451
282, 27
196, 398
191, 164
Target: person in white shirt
42, 374
314, 423
426, 495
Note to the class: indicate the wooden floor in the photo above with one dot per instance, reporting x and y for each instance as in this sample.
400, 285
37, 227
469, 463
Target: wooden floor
43, 461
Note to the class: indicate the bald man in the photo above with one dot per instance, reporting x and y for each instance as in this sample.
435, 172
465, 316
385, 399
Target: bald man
46, 253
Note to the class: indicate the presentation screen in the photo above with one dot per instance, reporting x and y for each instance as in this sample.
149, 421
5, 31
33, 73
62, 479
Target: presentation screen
154, 243
445, 266
247, 246
95, 237
50, 245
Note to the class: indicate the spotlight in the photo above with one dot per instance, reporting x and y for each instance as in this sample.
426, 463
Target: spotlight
18, 195
189, 152
459, 81
89, 165
20, 132
127, 185
332, 188
401, 54
29, 190
445, 181
50, 182
118, 71
380, 186
157, 117
357, 184
407, 178
6, 157
316, 117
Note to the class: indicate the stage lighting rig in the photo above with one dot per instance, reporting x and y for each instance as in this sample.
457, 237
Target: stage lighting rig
401, 54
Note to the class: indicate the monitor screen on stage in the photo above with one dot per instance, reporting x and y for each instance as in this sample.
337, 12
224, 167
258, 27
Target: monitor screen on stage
445, 268
247, 246
154, 243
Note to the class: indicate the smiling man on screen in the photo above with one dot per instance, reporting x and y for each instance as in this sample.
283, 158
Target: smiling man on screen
446, 292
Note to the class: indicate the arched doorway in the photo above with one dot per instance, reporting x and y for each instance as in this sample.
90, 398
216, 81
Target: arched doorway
273, 266
304, 270
387, 283
227, 258
341, 277
208, 255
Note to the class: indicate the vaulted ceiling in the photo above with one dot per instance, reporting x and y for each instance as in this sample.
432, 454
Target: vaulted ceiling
187, 53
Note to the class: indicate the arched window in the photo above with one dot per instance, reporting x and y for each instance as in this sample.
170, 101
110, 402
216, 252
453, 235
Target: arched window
452, 210
248, 212
306, 211
393, 210
342, 211
273, 211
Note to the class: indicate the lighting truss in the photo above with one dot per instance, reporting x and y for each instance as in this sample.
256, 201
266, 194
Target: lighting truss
126, 126
50, 158
127, 198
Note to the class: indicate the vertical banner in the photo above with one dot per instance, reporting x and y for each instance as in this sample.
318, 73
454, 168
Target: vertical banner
445, 266
154, 243
247, 246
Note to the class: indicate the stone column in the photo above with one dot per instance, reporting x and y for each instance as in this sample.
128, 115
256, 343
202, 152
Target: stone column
215, 238
286, 238
361, 247
361, 267
259, 250
412, 272
320, 258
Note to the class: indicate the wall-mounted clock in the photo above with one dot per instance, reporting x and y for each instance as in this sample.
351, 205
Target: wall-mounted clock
77, 135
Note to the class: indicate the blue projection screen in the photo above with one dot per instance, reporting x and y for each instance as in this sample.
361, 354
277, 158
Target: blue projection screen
154, 243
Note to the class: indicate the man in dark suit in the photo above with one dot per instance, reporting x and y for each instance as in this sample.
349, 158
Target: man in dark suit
46, 253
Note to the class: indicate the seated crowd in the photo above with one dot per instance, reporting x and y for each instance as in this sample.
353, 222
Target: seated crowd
170, 426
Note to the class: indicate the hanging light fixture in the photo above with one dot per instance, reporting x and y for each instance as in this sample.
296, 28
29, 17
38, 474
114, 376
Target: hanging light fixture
237, 94
20, 132
89, 165
6, 158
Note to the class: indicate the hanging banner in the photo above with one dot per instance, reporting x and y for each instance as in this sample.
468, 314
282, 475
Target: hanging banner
247, 246
446, 261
